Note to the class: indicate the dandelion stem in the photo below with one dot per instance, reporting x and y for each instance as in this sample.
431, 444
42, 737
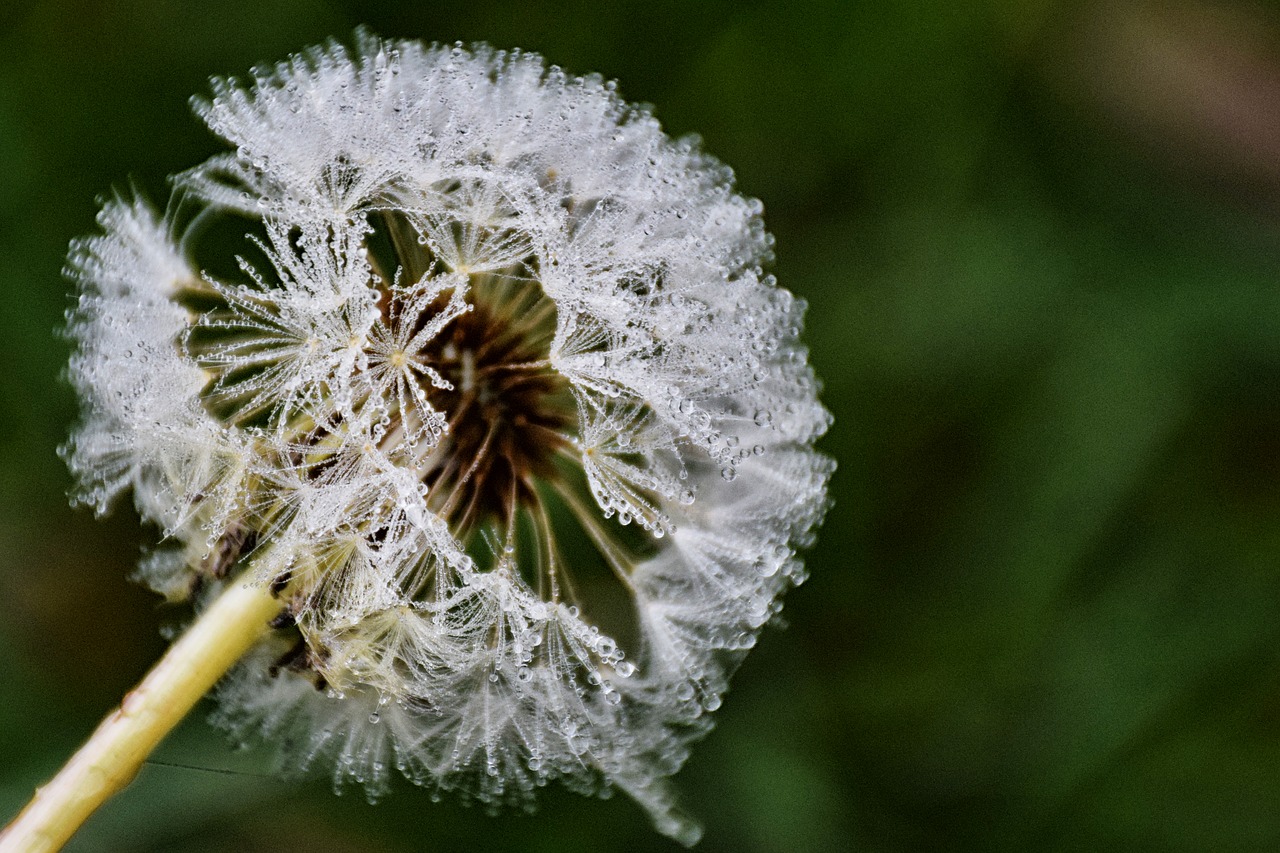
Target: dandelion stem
111, 757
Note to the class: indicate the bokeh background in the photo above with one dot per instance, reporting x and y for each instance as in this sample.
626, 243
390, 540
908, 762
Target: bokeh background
1041, 244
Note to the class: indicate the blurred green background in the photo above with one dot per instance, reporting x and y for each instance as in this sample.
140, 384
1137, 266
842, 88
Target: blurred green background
1041, 244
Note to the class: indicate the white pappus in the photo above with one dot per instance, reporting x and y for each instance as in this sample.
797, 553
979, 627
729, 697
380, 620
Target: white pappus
494, 391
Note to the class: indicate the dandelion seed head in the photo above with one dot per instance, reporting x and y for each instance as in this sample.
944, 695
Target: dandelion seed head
481, 309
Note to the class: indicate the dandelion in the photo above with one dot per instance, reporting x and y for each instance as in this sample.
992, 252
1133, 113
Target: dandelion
486, 454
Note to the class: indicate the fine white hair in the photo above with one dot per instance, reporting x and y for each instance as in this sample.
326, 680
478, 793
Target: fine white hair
302, 414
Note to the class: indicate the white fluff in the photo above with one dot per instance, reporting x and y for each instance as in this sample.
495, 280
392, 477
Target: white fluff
313, 400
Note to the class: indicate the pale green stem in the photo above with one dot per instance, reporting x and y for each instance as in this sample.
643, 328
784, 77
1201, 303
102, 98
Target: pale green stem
111, 757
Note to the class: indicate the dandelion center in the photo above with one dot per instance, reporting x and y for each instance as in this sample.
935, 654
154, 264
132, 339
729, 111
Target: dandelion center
508, 413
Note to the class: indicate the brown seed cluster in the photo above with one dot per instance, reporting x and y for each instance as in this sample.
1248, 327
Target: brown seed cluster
509, 412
